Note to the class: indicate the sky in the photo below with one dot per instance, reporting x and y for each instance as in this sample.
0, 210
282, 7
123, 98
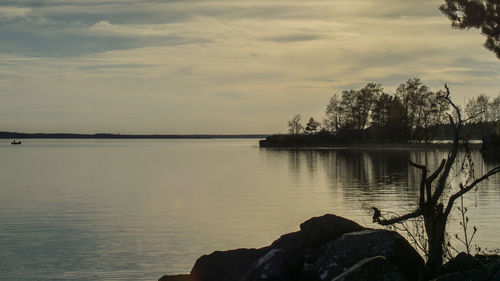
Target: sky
221, 67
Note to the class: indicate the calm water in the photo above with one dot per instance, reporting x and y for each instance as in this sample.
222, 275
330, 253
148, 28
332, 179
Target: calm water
138, 209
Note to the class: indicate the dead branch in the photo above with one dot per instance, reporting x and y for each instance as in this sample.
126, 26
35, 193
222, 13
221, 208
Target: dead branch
454, 150
377, 217
473, 116
422, 182
466, 189
431, 179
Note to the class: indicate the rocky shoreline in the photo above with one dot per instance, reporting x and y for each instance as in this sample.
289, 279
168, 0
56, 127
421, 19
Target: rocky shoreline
333, 248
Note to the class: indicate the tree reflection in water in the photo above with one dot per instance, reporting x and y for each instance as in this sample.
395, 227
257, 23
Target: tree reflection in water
383, 178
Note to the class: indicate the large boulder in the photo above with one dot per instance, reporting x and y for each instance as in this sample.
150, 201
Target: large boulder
225, 265
462, 262
374, 269
317, 231
467, 267
339, 255
493, 272
286, 256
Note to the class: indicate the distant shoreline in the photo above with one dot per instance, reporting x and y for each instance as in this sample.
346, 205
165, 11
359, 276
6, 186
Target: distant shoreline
15, 135
332, 142
373, 146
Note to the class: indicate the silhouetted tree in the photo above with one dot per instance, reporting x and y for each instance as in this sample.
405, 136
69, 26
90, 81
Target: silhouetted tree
495, 108
484, 113
294, 125
381, 110
312, 126
480, 14
349, 108
431, 201
414, 113
334, 120
396, 124
477, 108
366, 98
433, 115
414, 96
356, 106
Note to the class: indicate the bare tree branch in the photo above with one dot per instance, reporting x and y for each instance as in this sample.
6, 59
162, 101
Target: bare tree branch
421, 167
416, 240
457, 110
454, 150
422, 182
376, 217
468, 188
431, 178
474, 116
434, 175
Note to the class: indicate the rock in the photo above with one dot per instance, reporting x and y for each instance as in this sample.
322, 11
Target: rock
493, 272
375, 269
285, 257
180, 277
469, 275
339, 255
318, 230
487, 259
225, 265
268, 267
462, 262
467, 267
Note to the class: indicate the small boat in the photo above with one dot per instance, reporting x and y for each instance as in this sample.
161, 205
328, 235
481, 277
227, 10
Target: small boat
15, 142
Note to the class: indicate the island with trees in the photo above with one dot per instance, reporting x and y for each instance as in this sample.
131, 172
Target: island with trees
415, 114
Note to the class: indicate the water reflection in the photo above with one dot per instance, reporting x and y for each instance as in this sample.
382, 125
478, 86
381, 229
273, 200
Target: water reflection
371, 169
383, 178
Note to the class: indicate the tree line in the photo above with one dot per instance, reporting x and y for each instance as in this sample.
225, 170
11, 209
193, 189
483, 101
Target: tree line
483, 109
413, 113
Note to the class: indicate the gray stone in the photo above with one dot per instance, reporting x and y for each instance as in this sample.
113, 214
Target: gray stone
374, 269
339, 255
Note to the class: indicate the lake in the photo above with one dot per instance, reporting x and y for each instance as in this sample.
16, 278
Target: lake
139, 209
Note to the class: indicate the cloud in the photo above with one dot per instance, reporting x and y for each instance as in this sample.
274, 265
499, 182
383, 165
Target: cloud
218, 66
295, 37
10, 13
105, 28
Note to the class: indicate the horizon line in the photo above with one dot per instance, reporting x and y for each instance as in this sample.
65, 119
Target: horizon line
18, 135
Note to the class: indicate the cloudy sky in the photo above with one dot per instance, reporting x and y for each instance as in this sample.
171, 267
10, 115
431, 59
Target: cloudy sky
225, 66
